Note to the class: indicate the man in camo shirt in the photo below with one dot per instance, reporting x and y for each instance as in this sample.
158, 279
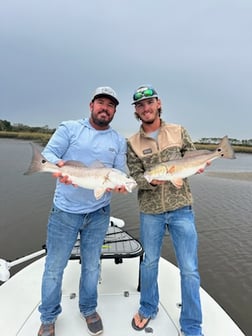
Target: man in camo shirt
163, 205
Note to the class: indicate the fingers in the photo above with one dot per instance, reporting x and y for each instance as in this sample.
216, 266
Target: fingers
157, 182
63, 179
201, 170
60, 163
121, 189
58, 174
118, 189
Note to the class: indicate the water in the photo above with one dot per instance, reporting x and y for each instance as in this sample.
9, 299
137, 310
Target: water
223, 218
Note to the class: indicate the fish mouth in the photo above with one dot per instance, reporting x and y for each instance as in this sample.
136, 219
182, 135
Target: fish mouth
130, 186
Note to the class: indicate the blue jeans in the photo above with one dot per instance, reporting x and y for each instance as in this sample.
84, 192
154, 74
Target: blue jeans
62, 231
182, 230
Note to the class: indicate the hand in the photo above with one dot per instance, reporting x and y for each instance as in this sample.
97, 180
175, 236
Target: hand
63, 179
156, 182
118, 189
201, 170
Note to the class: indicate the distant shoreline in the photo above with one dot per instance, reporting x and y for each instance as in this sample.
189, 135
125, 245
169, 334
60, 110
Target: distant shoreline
43, 138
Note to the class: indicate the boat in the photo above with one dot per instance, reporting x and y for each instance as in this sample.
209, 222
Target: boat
118, 298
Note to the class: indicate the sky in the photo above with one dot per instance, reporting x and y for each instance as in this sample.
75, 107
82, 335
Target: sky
196, 54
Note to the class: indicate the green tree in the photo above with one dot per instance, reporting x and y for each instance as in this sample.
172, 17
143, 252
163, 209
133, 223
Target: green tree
5, 125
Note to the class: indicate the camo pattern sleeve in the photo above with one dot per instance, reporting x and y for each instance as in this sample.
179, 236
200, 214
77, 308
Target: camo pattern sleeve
187, 144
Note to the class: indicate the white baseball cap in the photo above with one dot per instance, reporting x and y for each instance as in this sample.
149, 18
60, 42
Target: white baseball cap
106, 91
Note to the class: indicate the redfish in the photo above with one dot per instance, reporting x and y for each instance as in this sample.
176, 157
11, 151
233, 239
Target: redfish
192, 162
96, 177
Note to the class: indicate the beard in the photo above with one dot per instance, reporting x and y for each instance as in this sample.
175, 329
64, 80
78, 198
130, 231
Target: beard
100, 121
149, 122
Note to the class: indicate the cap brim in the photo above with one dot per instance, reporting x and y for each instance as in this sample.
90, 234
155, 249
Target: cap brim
108, 96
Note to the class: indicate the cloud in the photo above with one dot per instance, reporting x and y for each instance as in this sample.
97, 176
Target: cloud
196, 54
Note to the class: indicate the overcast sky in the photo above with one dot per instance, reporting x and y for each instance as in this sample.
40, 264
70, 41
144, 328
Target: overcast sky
197, 54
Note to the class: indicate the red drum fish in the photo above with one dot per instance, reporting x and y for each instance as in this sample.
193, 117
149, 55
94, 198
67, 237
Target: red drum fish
192, 162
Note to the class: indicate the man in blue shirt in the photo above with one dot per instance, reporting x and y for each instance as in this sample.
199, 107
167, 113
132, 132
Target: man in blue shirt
76, 211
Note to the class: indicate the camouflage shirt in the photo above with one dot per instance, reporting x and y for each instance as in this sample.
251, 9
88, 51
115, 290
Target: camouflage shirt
144, 152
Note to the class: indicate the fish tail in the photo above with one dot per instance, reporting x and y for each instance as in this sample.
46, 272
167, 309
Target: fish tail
36, 162
225, 149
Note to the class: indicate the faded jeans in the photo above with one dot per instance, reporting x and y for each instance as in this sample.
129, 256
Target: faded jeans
182, 231
62, 232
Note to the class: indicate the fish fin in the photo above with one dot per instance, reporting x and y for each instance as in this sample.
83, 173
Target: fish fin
177, 183
98, 193
97, 164
74, 163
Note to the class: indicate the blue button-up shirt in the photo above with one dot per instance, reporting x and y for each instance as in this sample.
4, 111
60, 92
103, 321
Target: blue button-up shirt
78, 140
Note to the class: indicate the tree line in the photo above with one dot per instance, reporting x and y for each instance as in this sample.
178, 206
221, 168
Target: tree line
245, 142
6, 125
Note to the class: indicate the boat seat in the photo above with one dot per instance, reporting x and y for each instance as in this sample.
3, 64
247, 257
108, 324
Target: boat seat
118, 245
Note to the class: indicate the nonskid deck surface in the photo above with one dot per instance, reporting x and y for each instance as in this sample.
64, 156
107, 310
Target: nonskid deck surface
116, 311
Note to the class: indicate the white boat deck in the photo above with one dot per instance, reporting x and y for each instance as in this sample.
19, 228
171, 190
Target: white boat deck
118, 302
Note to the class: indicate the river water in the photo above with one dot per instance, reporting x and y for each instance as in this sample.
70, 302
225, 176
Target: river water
223, 217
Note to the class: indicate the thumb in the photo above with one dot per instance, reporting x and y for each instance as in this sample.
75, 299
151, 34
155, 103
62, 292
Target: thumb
57, 174
60, 163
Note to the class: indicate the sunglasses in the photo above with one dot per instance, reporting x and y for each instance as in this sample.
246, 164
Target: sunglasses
145, 93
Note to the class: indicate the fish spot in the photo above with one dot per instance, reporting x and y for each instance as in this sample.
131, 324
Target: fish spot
106, 178
43, 161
